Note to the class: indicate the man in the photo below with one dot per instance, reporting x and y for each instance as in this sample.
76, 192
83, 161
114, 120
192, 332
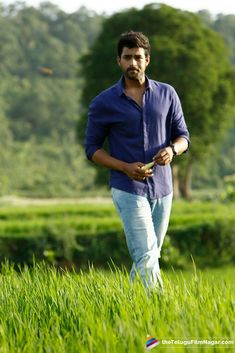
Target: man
143, 122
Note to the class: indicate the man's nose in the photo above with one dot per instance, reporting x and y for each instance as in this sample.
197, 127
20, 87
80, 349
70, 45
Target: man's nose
133, 62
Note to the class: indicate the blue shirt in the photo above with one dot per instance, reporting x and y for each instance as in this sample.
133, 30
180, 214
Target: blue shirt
136, 134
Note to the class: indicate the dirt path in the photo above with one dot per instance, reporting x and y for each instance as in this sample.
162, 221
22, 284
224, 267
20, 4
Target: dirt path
17, 201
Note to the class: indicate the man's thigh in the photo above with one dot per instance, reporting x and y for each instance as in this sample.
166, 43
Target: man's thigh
136, 215
161, 210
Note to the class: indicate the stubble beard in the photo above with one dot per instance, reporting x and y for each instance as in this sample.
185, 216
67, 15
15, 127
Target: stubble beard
134, 75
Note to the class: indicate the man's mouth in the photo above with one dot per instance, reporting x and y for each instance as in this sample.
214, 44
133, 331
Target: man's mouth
133, 69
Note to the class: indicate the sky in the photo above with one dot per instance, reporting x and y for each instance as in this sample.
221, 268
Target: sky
111, 6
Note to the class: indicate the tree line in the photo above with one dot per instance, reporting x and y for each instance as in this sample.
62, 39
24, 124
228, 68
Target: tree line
40, 88
52, 63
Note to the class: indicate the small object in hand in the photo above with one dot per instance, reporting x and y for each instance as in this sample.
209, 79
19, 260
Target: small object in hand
148, 166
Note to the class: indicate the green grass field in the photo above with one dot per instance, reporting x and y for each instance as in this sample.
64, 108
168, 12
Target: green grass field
46, 311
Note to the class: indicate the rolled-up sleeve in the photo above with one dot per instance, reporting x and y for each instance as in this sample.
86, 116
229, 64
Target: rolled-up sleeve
179, 127
97, 128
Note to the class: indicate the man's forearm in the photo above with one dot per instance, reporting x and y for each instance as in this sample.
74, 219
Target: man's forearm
132, 170
103, 158
166, 154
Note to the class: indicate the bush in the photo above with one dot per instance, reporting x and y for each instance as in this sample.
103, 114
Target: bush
210, 243
76, 235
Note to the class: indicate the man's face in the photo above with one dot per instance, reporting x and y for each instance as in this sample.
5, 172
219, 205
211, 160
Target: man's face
133, 63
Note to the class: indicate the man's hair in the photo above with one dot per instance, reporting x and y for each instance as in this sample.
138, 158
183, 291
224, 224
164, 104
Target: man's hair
131, 40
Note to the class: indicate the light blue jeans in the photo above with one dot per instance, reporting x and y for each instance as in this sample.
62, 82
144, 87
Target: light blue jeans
145, 222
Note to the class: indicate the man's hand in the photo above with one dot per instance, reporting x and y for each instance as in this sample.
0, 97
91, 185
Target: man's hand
164, 156
134, 171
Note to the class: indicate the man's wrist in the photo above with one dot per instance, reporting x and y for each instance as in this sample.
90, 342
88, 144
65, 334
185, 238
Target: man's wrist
172, 145
123, 167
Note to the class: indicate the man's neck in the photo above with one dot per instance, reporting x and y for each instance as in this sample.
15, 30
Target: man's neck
134, 84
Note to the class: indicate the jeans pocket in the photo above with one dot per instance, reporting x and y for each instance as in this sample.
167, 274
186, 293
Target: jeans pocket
125, 200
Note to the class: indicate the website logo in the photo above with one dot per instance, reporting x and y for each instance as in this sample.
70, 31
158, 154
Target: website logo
151, 342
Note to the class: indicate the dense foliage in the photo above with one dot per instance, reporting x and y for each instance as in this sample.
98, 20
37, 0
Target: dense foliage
39, 99
67, 235
223, 161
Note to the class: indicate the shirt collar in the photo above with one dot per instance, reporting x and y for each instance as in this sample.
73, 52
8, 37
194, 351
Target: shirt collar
120, 85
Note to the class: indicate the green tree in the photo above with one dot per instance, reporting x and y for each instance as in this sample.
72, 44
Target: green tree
5, 147
225, 25
48, 169
33, 38
186, 54
41, 107
222, 160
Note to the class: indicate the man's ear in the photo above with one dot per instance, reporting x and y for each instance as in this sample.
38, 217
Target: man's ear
147, 58
118, 60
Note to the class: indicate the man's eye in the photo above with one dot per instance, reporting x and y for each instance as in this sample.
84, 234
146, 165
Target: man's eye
129, 57
138, 58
